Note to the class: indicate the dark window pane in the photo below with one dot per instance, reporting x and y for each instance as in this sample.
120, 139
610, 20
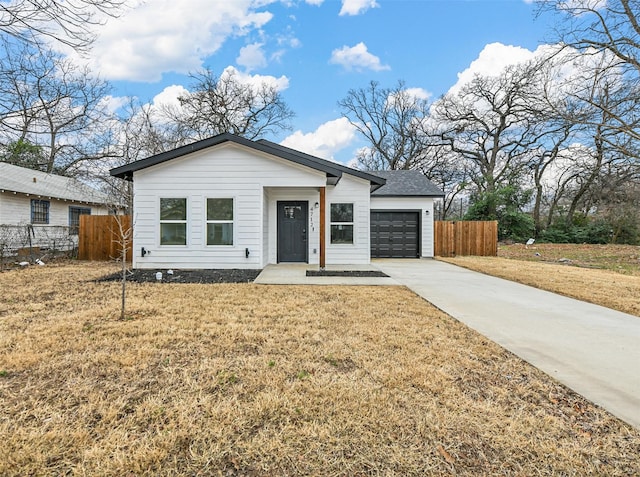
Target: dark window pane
39, 211
341, 212
74, 218
173, 209
220, 234
219, 209
173, 234
342, 234
292, 212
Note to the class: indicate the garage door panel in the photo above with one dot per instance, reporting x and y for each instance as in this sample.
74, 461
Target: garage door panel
394, 234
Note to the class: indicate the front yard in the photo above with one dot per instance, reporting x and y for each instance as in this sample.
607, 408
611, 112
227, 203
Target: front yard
241, 379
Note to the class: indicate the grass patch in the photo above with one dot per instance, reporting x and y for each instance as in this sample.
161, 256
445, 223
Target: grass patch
274, 380
607, 275
617, 258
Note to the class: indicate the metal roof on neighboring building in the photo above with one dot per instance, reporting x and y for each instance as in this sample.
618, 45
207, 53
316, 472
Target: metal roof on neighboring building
37, 183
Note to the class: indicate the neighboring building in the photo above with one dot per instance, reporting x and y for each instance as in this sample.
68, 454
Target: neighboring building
229, 202
43, 210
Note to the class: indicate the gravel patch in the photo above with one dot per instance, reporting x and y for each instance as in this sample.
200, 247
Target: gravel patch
345, 273
186, 276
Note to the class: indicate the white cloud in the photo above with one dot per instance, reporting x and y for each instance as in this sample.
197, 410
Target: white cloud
584, 4
492, 60
164, 35
113, 103
252, 57
356, 7
315, 2
325, 141
569, 65
280, 84
169, 96
357, 58
418, 93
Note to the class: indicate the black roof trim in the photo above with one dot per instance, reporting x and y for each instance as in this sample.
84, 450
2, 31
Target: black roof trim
332, 169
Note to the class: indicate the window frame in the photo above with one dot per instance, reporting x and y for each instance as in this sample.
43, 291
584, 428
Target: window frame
184, 221
333, 223
220, 221
44, 207
75, 227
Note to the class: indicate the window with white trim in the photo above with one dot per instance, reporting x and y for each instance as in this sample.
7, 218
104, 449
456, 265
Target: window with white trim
173, 221
342, 223
220, 221
39, 211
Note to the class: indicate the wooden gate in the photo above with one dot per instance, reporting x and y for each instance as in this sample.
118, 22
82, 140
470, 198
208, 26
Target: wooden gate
100, 237
466, 238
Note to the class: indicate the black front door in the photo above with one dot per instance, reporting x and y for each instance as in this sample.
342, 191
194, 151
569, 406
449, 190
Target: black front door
292, 231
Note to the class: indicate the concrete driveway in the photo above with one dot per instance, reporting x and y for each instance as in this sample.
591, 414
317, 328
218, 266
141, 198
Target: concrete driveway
591, 349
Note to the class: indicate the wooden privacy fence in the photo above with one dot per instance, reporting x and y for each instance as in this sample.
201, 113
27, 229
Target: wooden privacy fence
100, 237
466, 238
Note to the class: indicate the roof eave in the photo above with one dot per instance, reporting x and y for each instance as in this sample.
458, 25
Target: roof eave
409, 195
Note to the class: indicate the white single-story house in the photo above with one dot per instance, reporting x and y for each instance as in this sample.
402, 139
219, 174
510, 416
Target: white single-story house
229, 202
38, 209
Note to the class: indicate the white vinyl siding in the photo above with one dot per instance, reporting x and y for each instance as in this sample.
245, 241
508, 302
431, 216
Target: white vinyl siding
356, 191
422, 204
15, 209
226, 170
265, 228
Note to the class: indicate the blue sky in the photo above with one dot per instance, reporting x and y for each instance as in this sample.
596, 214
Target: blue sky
314, 50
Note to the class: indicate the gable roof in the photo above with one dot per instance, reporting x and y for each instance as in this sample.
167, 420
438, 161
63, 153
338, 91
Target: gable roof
333, 170
29, 181
404, 183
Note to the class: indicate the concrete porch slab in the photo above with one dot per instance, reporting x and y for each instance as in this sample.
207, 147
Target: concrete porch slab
296, 274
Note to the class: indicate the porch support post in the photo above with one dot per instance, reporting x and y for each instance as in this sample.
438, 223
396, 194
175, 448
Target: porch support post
322, 227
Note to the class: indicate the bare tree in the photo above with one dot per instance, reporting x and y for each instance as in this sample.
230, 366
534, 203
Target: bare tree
597, 26
443, 167
70, 23
123, 234
609, 34
492, 125
226, 104
391, 120
55, 106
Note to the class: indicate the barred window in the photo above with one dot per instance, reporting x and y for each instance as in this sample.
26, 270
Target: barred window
39, 211
74, 218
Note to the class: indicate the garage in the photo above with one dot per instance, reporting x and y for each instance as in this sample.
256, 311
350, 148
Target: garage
395, 234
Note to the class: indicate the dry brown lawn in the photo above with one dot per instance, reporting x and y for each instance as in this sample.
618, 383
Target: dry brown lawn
607, 275
274, 380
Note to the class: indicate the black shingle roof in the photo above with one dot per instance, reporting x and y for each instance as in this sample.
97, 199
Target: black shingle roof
404, 183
